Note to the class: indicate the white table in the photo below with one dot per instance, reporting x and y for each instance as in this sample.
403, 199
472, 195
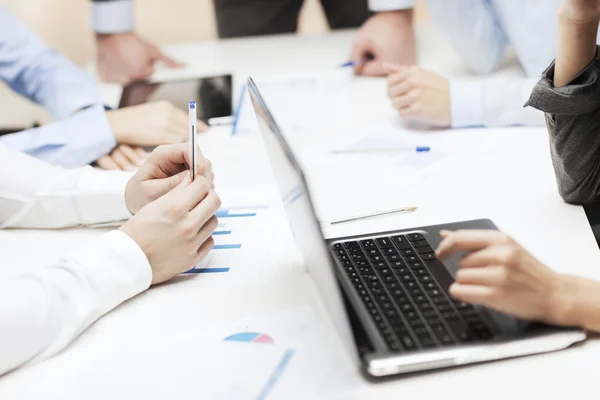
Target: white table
514, 186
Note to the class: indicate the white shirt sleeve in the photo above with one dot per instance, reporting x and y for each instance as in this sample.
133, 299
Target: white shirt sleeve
390, 5
43, 311
493, 102
34, 194
110, 17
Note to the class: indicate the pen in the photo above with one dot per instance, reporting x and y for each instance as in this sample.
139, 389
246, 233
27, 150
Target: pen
192, 138
236, 119
418, 149
354, 63
375, 214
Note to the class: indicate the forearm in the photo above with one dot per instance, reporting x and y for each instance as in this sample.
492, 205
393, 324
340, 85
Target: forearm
577, 302
576, 47
45, 196
42, 312
492, 102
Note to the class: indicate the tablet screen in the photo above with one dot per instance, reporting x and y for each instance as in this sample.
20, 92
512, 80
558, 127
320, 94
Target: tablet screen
212, 95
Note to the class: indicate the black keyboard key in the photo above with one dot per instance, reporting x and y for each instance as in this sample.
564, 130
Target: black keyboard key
393, 257
384, 243
415, 265
425, 307
376, 258
397, 264
421, 272
414, 237
445, 308
412, 259
355, 251
351, 245
389, 251
367, 244
372, 252
441, 273
343, 258
431, 314
420, 243
337, 246
425, 279
407, 252
421, 299
428, 342
416, 323
410, 285
340, 252
424, 250
389, 279
407, 342
401, 271
407, 307
438, 300
392, 285
380, 265
459, 329
385, 272
406, 278
431, 285
401, 242
428, 257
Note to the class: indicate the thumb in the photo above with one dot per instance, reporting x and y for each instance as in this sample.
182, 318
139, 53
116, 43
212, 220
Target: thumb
160, 187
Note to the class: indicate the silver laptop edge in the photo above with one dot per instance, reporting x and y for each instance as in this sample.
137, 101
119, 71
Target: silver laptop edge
322, 268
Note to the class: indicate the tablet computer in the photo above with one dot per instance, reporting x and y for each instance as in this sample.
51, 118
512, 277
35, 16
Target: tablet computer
213, 96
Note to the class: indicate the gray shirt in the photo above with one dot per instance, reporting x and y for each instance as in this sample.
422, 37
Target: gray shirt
573, 120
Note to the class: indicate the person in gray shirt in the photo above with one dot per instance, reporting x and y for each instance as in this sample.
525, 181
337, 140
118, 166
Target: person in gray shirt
569, 94
496, 271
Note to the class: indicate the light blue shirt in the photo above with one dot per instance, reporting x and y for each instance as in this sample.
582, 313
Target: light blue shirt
481, 32
42, 75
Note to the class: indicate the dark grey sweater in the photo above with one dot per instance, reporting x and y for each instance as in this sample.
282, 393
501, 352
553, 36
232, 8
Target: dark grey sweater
573, 120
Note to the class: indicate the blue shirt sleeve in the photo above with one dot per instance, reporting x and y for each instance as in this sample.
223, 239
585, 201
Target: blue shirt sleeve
71, 142
41, 74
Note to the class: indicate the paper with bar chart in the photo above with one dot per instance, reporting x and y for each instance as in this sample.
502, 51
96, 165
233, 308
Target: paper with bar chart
243, 240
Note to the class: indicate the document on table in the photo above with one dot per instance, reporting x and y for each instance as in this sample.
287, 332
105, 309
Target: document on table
300, 102
247, 240
181, 368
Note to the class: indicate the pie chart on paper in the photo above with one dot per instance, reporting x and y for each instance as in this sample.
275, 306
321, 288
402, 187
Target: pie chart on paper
253, 337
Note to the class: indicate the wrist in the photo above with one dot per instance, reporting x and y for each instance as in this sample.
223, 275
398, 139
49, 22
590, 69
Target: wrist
584, 20
569, 300
406, 15
128, 200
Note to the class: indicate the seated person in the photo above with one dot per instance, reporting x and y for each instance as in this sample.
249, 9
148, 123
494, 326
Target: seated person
499, 273
83, 131
480, 31
42, 311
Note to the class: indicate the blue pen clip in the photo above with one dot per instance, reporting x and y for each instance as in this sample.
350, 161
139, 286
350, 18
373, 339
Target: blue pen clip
192, 105
422, 149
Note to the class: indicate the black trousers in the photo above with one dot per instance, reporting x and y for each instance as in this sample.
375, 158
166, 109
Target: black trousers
263, 17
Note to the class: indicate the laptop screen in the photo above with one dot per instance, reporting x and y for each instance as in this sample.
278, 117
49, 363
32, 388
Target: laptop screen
302, 218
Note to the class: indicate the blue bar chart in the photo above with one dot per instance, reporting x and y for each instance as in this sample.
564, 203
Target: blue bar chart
236, 225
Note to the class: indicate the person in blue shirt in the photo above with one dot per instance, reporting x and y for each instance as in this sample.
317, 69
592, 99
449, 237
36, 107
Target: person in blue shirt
481, 32
82, 131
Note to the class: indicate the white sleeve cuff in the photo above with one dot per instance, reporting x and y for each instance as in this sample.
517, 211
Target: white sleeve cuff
390, 5
102, 196
466, 103
110, 17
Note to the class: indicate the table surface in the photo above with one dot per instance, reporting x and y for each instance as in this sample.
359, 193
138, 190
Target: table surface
511, 182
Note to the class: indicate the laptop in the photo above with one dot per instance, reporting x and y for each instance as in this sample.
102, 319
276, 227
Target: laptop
387, 294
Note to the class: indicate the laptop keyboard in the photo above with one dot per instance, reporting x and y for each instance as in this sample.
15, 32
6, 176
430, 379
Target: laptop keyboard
409, 304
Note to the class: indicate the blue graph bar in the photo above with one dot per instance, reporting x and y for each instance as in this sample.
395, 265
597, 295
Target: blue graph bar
275, 375
206, 270
227, 246
225, 213
221, 233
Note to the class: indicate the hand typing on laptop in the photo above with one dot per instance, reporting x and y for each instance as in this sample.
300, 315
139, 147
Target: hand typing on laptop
500, 274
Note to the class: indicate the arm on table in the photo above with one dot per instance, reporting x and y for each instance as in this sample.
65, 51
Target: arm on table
34, 194
43, 311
